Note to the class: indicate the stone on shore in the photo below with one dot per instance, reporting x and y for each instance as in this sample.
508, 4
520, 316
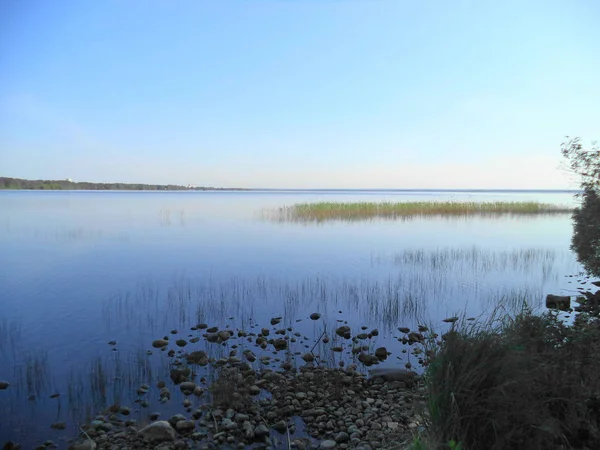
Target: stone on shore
158, 432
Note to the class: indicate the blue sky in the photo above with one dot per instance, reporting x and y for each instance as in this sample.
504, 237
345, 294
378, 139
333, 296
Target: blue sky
298, 93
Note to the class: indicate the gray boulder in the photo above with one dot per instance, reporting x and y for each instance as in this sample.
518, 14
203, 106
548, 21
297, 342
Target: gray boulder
158, 432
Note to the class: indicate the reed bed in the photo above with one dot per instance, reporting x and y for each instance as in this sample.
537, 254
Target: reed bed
324, 211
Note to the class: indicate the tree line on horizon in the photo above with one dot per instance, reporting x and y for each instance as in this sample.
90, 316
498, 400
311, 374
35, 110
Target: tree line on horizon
58, 185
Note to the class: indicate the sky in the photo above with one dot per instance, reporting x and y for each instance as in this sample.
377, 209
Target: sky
298, 93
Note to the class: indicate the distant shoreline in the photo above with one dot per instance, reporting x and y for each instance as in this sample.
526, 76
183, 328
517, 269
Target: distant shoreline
15, 184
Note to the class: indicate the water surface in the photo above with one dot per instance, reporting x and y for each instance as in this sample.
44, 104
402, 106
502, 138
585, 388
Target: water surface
78, 269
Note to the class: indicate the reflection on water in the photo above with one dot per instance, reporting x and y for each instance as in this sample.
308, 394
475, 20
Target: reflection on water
80, 270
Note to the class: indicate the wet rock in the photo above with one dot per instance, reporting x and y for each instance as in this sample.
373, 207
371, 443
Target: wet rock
341, 437
4, 385
343, 331
228, 424
261, 431
327, 444
560, 302
280, 344
58, 425
315, 316
160, 343
154, 416
254, 390
180, 375
368, 360
414, 337
224, 335
125, 410
176, 418
308, 357
212, 337
185, 426
275, 320
280, 427
160, 431
187, 387
198, 357
85, 445
248, 430
404, 330
212, 330
181, 342
381, 353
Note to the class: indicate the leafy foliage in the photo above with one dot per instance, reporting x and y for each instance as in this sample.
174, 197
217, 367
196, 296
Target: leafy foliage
586, 228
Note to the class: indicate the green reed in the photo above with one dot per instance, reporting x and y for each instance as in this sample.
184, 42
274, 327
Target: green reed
323, 211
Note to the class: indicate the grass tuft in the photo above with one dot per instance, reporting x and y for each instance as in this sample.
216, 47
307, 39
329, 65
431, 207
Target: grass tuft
527, 382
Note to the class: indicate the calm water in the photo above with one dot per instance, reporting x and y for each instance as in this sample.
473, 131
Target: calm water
78, 269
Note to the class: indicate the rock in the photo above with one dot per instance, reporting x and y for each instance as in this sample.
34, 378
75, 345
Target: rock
404, 330
254, 390
280, 344
561, 302
180, 375
450, 320
341, 437
368, 360
223, 335
181, 342
415, 337
59, 425
125, 410
187, 387
327, 444
273, 377
308, 357
154, 416
160, 431
248, 430
280, 427
160, 343
315, 316
381, 353
343, 331
185, 426
198, 357
4, 385
275, 320
228, 424
261, 431
85, 445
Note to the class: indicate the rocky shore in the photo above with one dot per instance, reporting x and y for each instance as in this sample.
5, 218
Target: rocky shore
307, 409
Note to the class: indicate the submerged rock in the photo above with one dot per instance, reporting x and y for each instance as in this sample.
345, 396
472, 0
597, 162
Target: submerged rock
4, 385
160, 343
561, 302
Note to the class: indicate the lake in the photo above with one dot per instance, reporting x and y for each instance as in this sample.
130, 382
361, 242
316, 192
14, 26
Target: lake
80, 269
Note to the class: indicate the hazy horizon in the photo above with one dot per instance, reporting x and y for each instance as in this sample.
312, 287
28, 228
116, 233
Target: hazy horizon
298, 94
